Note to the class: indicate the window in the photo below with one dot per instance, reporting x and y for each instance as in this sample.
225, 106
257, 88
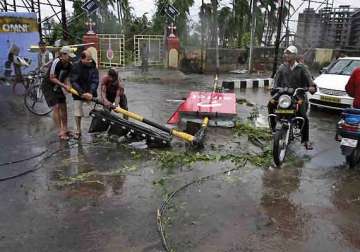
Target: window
350, 67
344, 67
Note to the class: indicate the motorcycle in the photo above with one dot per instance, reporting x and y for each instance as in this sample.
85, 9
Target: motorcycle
348, 134
287, 103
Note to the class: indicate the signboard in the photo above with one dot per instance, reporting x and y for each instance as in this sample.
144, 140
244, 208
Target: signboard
210, 102
171, 12
109, 54
90, 6
206, 104
18, 25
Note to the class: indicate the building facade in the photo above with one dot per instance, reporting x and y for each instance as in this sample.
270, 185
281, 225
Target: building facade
328, 28
354, 36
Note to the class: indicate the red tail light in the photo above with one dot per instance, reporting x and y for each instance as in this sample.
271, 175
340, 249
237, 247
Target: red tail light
348, 127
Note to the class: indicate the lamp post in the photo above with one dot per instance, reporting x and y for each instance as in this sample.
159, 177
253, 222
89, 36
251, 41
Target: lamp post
277, 42
252, 32
202, 15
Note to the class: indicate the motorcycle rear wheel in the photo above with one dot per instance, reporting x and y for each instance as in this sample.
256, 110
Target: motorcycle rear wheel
353, 159
279, 146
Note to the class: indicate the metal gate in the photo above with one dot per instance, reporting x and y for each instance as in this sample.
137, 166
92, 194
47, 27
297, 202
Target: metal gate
152, 45
112, 50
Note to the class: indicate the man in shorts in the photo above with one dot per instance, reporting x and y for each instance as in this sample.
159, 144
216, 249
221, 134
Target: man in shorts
55, 80
85, 79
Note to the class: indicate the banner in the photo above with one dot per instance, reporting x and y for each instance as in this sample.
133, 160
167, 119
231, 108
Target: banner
18, 31
18, 25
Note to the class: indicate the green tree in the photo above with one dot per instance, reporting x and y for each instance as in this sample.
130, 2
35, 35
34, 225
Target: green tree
225, 17
270, 18
76, 26
160, 20
245, 39
56, 32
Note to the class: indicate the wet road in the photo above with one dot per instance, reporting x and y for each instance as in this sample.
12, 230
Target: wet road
102, 195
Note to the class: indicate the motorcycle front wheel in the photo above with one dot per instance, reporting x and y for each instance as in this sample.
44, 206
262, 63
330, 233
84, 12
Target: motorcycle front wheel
279, 146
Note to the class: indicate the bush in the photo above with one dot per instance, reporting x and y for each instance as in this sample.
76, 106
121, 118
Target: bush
316, 66
324, 64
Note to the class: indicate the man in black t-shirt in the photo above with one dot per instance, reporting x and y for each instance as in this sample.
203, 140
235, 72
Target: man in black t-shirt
56, 79
84, 79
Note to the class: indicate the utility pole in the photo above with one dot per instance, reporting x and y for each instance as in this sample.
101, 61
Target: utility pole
63, 20
252, 32
39, 20
32, 5
277, 42
287, 41
202, 11
214, 5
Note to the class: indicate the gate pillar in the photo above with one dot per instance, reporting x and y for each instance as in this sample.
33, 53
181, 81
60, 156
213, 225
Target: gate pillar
92, 37
173, 47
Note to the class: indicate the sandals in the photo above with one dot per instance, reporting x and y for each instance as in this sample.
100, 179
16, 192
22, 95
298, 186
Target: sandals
64, 136
77, 135
308, 146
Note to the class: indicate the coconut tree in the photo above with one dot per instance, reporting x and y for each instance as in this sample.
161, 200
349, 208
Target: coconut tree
225, 16
242, 12
271, 17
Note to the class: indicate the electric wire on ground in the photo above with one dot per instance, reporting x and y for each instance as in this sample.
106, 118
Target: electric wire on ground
163, 207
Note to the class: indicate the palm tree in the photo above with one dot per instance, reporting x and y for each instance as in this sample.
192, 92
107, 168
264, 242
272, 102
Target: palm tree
242, 18
225, 15
271, 18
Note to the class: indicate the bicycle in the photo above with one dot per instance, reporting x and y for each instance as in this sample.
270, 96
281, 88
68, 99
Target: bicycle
34, 99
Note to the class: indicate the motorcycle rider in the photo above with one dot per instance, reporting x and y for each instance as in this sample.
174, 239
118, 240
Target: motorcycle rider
293, 75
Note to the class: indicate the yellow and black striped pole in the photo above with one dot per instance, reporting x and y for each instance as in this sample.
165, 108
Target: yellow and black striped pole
196, 140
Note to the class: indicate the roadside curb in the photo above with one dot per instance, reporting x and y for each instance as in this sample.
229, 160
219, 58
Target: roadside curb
247, 83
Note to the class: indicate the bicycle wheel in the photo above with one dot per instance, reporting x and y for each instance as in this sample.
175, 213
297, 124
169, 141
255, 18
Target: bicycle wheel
35, 102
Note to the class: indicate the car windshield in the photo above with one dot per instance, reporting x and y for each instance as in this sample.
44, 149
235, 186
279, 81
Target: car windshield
343, 67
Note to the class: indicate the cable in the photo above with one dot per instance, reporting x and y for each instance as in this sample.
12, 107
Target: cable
163, 207
23, 160
36, 167
28, 158
39, 165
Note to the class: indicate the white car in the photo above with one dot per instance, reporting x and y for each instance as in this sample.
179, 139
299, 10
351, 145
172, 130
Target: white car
331, 85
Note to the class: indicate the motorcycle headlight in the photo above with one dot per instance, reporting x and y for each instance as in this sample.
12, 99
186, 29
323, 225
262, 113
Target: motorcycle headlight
284, 101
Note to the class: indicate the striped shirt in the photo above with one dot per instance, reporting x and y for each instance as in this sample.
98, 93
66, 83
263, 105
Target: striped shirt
60, 70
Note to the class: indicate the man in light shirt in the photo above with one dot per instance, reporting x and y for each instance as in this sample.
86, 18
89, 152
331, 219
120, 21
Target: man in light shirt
44, 56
